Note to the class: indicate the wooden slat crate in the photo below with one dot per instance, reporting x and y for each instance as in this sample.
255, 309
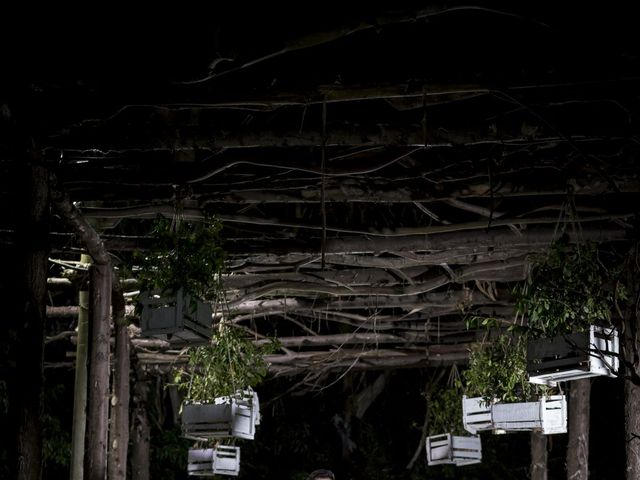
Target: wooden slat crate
175, 318
233, 416
222, 460
476, 414
575, 356
453, 449
548, 415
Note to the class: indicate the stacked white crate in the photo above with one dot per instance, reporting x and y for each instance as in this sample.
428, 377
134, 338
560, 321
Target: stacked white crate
222, 460
230, 416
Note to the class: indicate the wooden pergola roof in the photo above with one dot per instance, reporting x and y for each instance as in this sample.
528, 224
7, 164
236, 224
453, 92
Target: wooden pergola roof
381, 174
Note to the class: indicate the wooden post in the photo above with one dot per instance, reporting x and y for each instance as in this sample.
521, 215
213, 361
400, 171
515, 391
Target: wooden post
632, 429
538, 456
141, 431
26, 323
119, 431
80, 387
98, 409
578, 445
632, 393
100, 285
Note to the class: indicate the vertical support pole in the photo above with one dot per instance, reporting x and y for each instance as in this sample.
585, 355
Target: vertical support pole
631, 390
98, 407
538, 456
140, 445
579, 422
80, 386
119, 431
27, 322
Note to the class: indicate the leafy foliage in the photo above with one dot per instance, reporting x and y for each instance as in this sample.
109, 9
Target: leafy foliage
498, 370
4, 398
567, 290
229, 363
169, 453
57, 438
184, 255
57, 442
445, 411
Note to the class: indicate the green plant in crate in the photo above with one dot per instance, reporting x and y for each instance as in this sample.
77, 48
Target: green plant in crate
184, 255
498, 370
229, 363
569, 288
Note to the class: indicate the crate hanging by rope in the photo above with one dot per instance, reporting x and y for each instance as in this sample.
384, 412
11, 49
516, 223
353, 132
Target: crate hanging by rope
547, 415
594, 352
453, 449
177, 318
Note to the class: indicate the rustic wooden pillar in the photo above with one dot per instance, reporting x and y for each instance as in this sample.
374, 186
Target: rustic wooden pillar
80, 386
538, 456
632, 429
632, 392
98, 407
26, 323
579, 422
119, 431
141, 432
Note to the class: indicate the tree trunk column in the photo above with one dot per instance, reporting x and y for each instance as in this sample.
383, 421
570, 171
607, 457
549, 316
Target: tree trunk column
80, 386
141, 434
25, 336
632, 391
632, 429
538, 456
119, 432
98, 408
579, 421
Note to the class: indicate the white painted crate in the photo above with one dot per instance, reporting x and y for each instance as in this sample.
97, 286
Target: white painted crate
222, 460
476, 414
175, 318
233, 416
246, 400
453, 449
575, 356
549, 415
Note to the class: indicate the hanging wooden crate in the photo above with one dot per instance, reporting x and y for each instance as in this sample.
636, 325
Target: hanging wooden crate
575, 356
246, 400
175, 318
233, 416
548, 415
476, 414
453, 449
222, 460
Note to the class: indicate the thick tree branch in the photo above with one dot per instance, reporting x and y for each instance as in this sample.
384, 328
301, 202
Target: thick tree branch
74, 219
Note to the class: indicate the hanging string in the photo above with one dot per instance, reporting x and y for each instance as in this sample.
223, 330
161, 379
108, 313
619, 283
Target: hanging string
424, 116
323, 210
178, 211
